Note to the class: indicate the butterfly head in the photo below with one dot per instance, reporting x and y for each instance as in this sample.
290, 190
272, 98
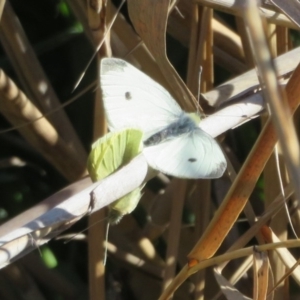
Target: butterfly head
195, 117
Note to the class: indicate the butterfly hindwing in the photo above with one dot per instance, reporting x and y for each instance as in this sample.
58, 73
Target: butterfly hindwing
192, 155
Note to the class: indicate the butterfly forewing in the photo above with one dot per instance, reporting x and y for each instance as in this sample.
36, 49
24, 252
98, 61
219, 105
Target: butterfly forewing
132, 99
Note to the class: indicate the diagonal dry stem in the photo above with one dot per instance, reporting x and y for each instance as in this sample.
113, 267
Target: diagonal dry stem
17, 108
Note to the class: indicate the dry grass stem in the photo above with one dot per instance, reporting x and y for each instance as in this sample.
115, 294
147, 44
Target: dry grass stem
232, 233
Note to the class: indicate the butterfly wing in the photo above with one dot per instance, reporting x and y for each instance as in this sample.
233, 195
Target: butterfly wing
193, 155
132, 99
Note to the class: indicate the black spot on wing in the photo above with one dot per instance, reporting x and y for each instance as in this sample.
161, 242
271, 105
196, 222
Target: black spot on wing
128, 96
192, 159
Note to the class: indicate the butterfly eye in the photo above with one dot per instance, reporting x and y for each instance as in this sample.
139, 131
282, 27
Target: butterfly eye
192, 159
128, 96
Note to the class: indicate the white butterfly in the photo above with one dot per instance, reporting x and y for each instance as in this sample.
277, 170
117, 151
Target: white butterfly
174, 144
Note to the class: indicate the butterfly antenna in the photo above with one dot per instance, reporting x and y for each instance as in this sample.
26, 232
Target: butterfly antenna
99, 45
106, 240
199, 85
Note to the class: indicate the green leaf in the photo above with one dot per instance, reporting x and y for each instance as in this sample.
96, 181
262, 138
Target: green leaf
109, 154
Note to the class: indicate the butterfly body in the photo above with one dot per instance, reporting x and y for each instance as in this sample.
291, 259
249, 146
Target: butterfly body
184, 125
174, 144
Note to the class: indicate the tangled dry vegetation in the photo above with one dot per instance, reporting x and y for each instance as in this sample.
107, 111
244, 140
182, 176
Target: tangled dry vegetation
233, 237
